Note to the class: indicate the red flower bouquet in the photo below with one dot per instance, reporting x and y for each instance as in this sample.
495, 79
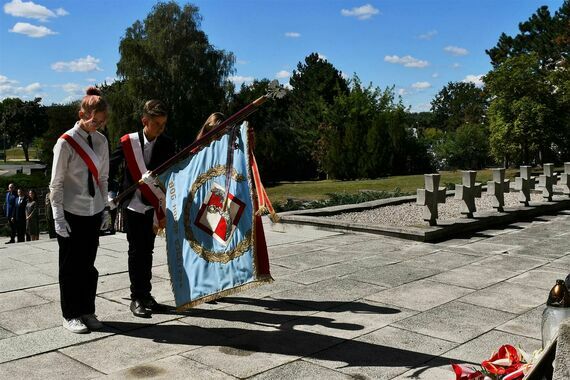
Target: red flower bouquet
508, 363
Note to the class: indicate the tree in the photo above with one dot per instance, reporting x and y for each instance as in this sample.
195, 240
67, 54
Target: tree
530, 112
522, 121
23, 121
275, 144
316, 83
61, 117
459, 103
545, 35
167, 56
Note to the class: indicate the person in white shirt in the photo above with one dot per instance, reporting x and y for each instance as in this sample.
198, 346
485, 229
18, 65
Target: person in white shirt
78, 197
138, 153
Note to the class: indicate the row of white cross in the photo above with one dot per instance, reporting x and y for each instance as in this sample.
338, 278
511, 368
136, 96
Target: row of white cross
469, 189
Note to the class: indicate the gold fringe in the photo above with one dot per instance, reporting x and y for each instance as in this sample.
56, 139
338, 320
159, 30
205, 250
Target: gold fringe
267, 279
263, 210
274, 217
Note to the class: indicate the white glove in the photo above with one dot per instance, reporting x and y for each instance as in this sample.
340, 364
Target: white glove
110, 202
105, 220
149, 179
62, 228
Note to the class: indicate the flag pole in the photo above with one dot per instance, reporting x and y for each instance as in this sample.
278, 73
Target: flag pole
274, 90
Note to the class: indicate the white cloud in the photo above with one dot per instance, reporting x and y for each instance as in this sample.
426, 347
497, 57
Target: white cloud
72, 88
111, 80
30, 30
435, 75
29, 9
477, 80
402, 91
322, 57
238, 79
422, 107
421, 85
91, 80
428, 36
283, 74
407, 61
455, 65
61, 12
9, 88
455, 50
86, 64
242, 62
293, 34
362, 13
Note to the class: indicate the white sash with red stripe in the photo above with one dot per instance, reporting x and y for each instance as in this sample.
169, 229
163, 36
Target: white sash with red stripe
132, 148
84, 150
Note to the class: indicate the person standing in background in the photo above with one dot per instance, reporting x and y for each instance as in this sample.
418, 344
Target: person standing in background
10, 211
49, 217
32, 219
20, 216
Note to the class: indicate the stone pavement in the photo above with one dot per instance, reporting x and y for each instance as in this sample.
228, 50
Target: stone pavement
343, 305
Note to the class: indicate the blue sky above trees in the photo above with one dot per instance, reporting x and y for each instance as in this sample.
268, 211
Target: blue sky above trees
55, 48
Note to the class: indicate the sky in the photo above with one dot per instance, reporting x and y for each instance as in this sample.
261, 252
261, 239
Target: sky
54, 49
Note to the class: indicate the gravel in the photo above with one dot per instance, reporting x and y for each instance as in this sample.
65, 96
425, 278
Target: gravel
410, 214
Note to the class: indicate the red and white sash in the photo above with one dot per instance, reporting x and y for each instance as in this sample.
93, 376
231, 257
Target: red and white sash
132, 148
84, 150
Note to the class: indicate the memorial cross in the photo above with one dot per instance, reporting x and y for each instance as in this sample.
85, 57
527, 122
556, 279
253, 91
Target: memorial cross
467, 192
524, 184
497, 188
430, 197
546, 181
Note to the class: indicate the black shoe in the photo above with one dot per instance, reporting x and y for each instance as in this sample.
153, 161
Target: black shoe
139, 310
151, 304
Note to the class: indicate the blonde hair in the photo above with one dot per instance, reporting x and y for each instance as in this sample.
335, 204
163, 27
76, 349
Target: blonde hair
212, 121
93, 102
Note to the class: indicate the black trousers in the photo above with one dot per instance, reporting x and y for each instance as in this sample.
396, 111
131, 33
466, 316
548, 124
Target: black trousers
77, 273
140, 236
21, 230
12, 230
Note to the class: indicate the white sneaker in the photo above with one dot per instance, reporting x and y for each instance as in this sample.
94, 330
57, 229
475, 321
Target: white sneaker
91, 321
75, 325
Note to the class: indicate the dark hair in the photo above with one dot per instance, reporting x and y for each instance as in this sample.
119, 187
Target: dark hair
155, 107
34, 195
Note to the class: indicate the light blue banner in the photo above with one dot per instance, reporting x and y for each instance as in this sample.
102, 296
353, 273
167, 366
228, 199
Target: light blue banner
210, 236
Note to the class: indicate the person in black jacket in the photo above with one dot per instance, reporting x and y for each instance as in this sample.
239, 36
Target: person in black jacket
10, 211
137, 154
20, 216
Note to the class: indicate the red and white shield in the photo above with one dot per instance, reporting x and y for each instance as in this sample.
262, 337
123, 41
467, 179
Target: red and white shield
211, 218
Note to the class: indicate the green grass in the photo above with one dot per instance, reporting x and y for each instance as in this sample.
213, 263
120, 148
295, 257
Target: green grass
318, 190
17, 154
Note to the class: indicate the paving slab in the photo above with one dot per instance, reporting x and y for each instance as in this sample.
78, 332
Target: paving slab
393, 275
527, 324
382, 354
51, 365
420, 295
328, 294
509, 297
21, 346
350, 320
172, 367
542, 278
18, 300
250, 354
455, 321
140, 345
300, 369
443, 260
